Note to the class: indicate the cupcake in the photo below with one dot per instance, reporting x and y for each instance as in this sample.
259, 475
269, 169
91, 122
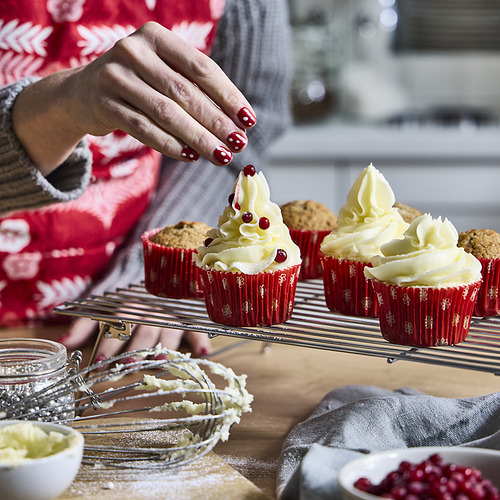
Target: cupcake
408, 213
364, 223
309, 222
484, 244
426, 285
168, 262
249, 265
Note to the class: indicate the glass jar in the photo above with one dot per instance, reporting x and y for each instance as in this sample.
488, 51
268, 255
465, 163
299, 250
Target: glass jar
27, 366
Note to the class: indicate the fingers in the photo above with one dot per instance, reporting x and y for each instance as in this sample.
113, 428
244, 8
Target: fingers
199, 343
168, 95
78, 333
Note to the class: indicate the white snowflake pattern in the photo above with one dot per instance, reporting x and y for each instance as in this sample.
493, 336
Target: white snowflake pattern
210, 277
57, 292
473, 295
15, 235
226, 310
406, 299
275, 305
281, 278
394, 292
153, 276
98, 39
163, 262
347, 295
175, 280
240, 280
492, 293
195, 33
224, 284
428, 322
262, 290
423, 294
22, 266
26, 37
65, 10
466, 323
217, 8
455, 320
366, 303
333, 277
193, 287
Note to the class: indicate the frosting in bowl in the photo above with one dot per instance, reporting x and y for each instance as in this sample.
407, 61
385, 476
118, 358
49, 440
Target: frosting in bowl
366, 221
251, 236
427, 255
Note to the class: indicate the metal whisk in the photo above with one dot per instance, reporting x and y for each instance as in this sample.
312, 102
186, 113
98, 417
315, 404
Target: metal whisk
113, 404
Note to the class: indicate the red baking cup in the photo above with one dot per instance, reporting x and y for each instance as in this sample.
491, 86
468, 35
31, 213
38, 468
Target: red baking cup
238, 299
309, 243
169, 272
488, 298
347, 291
424, 316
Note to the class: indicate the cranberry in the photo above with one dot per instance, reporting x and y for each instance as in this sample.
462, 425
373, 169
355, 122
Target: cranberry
249, 170
208, 241
281, 256
231, 198
247, 217
264, 223
434, 479
237, 206
363, 484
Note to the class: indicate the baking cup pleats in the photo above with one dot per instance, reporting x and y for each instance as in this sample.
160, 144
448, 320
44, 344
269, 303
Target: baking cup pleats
347, 291
237, 299
309, 243
425, 316
169, 272
488, 298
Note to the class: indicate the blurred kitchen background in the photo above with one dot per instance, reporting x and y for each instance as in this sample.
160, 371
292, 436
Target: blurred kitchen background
412, 86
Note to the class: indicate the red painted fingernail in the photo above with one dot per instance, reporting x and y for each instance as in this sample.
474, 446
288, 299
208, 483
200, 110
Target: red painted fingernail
223, 155
236, 141
99, 358
64, 337
128, 360
189, 153
203, 352
246, 117
160, 357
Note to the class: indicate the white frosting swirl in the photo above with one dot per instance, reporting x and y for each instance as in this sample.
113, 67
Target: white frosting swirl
366, 221
428, 255
245, 247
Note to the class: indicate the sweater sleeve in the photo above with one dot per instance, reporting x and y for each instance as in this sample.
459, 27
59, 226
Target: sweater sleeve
253, 48
22, 186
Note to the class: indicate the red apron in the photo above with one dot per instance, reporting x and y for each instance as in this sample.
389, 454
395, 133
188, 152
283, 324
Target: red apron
51, 255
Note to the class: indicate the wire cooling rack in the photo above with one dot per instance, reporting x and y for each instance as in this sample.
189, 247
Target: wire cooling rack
311, 325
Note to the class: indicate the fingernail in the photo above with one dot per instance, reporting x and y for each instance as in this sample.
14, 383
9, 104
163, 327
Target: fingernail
160, 357
189, 153
100, 357
128, 360
203, 352
223, 155
63, 337
246, 117
236, 141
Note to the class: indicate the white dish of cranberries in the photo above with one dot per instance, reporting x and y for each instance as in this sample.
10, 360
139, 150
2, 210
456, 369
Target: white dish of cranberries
444, 473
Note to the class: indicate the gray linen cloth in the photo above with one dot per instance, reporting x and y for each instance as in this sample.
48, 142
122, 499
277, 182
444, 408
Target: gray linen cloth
355, 420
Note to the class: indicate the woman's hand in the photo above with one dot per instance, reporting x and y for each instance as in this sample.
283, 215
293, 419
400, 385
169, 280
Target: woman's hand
143, 337
152, 85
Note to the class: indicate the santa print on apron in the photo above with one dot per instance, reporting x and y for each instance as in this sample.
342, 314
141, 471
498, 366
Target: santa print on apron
53, 254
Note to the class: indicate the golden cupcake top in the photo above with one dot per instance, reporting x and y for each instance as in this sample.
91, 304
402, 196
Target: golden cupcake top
184, 234
367, 220
408, 213
250, 237
482, 243
308, 215
427, 255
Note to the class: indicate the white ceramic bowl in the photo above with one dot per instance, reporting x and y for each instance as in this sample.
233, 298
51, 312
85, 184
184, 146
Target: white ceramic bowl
375, 466
43, 478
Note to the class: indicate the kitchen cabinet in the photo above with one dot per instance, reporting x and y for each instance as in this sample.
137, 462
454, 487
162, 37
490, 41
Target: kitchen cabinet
453, 172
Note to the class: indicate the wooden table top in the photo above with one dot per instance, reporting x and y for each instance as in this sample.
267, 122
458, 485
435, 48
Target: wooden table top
289, 381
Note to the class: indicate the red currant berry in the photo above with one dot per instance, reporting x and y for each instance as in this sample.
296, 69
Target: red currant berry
237, 206
249, 170
264, 223
363, 484
247, 217
281, 256
208, 241
230, 199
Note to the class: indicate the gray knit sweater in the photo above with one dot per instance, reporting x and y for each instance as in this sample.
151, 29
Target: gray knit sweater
253, 48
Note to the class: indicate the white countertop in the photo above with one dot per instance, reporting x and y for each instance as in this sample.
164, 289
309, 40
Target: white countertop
340, 141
